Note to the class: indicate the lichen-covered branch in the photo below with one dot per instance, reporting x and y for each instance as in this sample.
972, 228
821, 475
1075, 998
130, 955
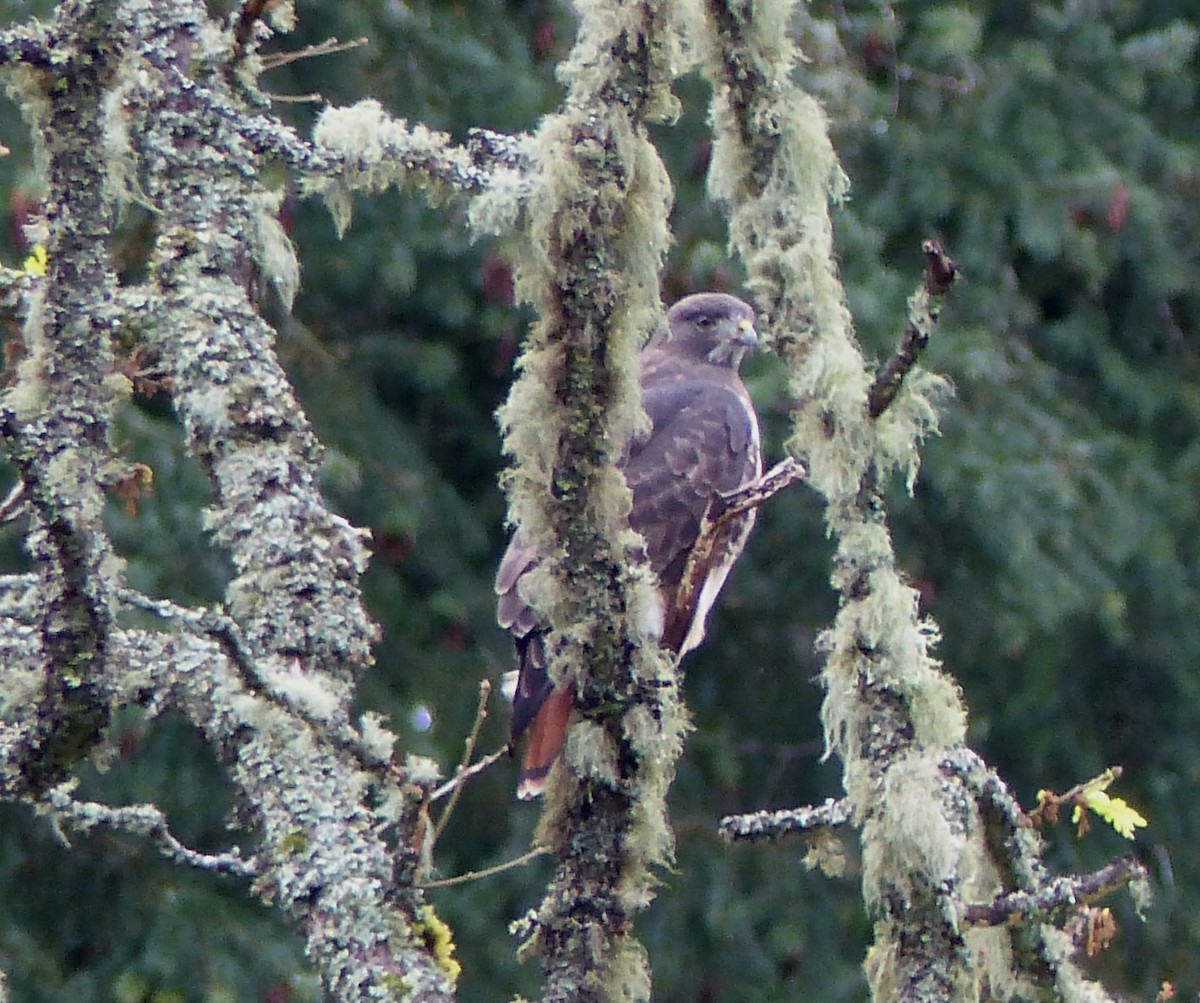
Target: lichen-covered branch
362, 148
130, 100
769, 825
1056, 895
890, 713
55, 420
294, 595
139, 820
595, 232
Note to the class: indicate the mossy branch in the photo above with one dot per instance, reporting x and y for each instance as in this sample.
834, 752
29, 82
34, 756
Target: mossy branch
890, 712
595, 232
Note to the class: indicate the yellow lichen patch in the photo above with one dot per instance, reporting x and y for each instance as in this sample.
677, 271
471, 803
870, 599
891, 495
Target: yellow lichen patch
438, 939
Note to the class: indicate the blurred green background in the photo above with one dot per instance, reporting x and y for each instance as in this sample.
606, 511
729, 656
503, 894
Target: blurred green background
1054, 534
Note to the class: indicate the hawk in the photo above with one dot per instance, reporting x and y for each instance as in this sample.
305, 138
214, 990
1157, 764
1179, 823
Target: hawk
703, 442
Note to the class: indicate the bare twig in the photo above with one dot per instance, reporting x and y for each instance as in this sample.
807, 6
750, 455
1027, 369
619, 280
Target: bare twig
761, 825
460, 779
312, 97
924, 307
487, 872
485, 689
1059, 893
326, 48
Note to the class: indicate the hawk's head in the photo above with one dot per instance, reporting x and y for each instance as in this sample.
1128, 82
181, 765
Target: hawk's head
712, 327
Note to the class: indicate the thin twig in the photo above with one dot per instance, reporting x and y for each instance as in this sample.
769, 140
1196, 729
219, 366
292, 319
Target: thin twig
1059, 893
485, 689
461, 778
326, 48
924, 308
312, 97
487, 872
1049, 803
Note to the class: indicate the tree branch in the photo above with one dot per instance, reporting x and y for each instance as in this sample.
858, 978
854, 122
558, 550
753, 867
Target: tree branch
770, 825
140, 820
60, 444
601, 195
1057, 894
924, 309
890, 713
720, 514
294, 595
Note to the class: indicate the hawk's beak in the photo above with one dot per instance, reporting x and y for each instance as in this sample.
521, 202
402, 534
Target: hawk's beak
746, 336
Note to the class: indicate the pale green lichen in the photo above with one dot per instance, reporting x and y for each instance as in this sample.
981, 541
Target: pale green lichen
273, 250
592, 753
378, 741
282, 15
310, 692
911, 844
421, 770
909, 419
121, 184
381, 151
826, 853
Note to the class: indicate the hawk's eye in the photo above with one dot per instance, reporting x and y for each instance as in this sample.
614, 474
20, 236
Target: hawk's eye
704, 320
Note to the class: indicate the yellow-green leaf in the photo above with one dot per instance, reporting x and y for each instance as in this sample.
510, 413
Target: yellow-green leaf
1115, 811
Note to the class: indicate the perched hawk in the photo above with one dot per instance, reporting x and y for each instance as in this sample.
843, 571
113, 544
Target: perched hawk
703, 442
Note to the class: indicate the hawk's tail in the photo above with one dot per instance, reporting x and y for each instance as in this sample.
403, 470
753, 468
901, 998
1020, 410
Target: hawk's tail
545, 740
540, 708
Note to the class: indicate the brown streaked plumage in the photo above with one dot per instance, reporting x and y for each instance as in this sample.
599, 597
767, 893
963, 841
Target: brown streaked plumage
703, 441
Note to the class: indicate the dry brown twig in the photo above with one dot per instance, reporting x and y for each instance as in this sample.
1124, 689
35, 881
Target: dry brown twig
924, 308
326, 48
724, 510
465, 771
1050, 804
